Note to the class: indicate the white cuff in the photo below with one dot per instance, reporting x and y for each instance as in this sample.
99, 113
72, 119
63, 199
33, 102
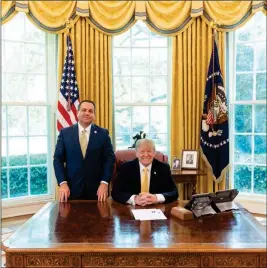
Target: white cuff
131, 200
63, 182
160, 198
104, 182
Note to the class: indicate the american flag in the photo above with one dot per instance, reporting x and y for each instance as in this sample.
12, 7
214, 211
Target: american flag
68, 100
210, 118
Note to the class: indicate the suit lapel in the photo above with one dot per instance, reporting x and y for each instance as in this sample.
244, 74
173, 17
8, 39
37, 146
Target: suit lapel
76, 142
153, 176
136, 174
92, 139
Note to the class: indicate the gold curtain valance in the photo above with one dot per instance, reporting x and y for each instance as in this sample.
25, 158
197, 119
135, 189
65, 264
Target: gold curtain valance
114, 17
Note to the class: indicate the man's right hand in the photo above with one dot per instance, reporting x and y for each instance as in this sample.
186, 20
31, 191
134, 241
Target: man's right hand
140, 200
64, 192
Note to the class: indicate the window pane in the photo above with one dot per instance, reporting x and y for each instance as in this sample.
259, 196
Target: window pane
38, 150
37, 120
140, 61
260, 178
261, 86
122, 61
157, 40
244, 86
140, 119
14, 57
17, 148
18, 24
4, 121
158, 61
4, 183
260, 119
242, 149
261, 56
122, 40
36, 88
14, 88
3, 153
18, 178
38, 180
122, 89
243, 118
242, 176
17, 121
33, 34
244, 58
140, 89
123, 120
158, 89
123, 141
158, 121
35, 59
140, 35
160, 141
260, 149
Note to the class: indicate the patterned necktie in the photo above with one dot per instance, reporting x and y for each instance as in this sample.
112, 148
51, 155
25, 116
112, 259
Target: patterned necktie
144, 184
83, 142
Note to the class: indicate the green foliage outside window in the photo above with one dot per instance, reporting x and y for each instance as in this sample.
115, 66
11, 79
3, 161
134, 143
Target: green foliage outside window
18, 176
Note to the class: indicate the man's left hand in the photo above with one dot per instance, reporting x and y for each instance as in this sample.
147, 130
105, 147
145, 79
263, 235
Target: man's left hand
151, 199
102, 192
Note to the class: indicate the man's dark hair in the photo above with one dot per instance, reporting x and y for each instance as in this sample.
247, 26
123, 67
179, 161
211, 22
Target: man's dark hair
89, 101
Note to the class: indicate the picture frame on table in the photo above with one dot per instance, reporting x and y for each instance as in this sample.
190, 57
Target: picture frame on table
190, 159
176, 164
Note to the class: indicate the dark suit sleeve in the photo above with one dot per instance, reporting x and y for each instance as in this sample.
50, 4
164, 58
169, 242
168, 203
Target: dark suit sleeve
121, 187
59, 159
109, 159
169, 189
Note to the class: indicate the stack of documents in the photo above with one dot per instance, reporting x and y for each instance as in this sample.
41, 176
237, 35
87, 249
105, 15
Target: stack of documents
148, 214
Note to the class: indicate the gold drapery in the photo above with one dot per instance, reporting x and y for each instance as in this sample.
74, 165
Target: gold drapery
92, 55
92, 59
191, 54
114, 17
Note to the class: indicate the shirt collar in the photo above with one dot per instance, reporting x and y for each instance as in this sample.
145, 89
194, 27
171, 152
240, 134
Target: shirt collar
88, 129
142, 167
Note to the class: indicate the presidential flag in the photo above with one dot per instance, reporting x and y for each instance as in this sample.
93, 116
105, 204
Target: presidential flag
68, 100
214, 130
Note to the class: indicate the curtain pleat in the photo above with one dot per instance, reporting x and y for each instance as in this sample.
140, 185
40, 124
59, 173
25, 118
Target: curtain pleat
114, 17
191, 54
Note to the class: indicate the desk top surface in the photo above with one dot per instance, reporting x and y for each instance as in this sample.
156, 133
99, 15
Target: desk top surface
92, 226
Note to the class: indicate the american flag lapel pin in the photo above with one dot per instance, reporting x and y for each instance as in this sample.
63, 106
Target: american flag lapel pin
155, 172
95, 131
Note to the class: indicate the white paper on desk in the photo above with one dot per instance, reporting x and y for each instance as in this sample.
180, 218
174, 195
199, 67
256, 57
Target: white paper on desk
226, 206
148, 214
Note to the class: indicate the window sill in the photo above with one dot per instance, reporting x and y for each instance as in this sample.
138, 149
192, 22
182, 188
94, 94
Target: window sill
253, 203
24, 206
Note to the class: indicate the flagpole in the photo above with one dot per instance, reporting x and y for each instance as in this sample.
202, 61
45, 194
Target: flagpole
68, 84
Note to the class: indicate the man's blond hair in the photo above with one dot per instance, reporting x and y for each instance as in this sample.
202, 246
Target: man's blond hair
145, 141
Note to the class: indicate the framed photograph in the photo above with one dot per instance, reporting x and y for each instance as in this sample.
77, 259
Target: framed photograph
190, 159
176, 164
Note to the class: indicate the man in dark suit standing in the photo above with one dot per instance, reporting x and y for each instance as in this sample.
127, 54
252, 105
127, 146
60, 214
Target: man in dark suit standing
84, 158
145, 180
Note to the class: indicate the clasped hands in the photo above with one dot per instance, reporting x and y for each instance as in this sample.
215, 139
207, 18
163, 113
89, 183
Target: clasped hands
145, 199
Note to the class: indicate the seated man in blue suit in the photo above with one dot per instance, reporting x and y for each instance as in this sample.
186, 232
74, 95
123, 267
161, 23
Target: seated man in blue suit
145, 180
84, 158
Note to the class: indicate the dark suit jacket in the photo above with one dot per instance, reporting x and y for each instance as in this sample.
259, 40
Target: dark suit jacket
83, 174
128, 181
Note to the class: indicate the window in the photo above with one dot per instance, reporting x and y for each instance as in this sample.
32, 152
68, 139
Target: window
141, 82
248, 107
26, 114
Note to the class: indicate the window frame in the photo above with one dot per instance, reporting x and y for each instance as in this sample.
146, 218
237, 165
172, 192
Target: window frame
252, 201
146, 104
15, 206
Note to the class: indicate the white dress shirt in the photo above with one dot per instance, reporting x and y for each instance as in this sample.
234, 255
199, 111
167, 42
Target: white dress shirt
160, 197
87, 133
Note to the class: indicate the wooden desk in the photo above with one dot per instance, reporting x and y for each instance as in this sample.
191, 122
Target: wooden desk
187, 177
89, 234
